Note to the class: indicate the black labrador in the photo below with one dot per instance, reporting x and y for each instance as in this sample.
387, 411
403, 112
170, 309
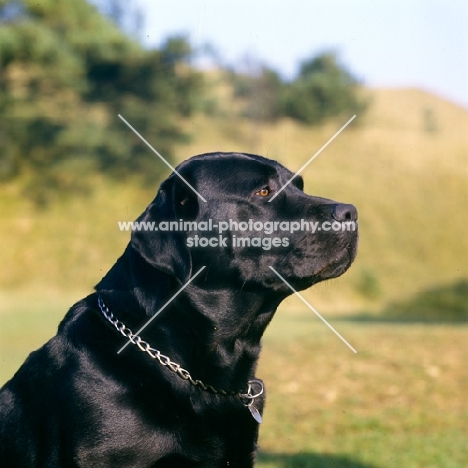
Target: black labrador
183, 392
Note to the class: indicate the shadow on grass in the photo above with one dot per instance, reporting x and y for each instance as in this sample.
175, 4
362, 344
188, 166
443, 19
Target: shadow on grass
308, 460
371, 318
446, 304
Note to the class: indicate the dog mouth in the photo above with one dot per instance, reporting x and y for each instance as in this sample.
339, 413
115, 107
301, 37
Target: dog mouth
299, 266
335, 267
338, 265
332, 265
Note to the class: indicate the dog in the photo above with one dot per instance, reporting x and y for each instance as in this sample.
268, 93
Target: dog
183, 391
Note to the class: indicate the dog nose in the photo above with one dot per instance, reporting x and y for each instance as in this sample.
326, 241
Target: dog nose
345, 212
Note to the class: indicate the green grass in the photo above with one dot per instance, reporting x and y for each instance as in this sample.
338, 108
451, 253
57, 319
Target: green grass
400, 401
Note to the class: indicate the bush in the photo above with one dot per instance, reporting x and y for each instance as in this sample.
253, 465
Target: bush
61, 93
323, 89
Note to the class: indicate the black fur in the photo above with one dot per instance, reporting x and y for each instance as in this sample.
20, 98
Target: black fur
75, 402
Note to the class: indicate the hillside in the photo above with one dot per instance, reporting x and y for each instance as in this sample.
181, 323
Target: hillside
404, 165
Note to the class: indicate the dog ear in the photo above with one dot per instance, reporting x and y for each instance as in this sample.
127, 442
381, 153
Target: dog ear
162, 247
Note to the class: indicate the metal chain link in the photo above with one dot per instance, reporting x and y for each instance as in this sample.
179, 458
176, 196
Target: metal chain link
166, 362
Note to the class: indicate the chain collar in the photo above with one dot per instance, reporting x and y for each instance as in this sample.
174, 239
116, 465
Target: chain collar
255, 386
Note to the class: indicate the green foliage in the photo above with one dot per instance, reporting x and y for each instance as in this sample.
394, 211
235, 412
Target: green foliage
323, 89
67, 72
443, 303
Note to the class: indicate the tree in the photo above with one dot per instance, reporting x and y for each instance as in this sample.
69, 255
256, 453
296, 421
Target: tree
60, 94
323, 89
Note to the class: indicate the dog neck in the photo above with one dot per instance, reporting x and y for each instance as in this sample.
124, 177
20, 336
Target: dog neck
214, 332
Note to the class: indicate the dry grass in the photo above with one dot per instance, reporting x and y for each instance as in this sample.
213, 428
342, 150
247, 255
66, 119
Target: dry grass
69, 246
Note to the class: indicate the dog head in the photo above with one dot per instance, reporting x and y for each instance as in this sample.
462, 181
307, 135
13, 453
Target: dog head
239, 231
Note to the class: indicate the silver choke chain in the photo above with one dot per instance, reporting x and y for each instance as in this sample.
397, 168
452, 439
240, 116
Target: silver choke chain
174, 367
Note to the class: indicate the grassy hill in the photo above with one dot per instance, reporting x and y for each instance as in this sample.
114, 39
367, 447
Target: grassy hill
404, 165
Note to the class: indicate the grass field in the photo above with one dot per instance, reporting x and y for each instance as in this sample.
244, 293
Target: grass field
399, 402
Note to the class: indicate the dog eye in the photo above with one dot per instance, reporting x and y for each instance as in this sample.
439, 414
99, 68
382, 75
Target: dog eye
264, 192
